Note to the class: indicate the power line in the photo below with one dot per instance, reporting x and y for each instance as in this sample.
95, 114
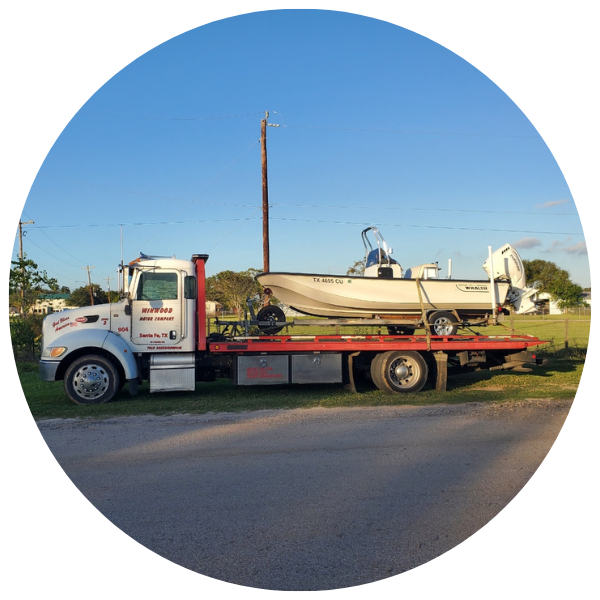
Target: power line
230, 219
236, 228
52, 255
339, 207
413, 132
146, 118
388, 224
361, 224
429, 209
319, 127
57, 245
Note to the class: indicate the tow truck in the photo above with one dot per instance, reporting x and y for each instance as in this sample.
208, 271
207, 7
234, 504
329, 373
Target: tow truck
157, 332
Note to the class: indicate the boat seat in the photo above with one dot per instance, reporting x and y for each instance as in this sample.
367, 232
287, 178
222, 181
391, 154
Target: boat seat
374, 258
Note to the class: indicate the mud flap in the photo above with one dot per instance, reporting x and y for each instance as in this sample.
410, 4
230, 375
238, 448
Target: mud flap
441, 371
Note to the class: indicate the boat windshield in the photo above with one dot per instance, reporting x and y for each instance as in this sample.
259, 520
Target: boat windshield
372, 258
379, 255
376, 257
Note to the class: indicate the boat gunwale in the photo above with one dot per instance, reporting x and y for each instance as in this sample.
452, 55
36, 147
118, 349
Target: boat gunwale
362, 277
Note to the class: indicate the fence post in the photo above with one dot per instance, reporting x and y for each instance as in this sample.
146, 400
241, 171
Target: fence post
566, 333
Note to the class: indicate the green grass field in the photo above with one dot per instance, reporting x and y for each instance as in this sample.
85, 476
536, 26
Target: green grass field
558, 379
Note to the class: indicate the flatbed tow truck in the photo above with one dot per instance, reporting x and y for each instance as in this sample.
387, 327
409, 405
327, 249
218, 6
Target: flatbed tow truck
158, 332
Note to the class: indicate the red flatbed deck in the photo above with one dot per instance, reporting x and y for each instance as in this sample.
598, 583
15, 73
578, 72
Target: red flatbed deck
374, 343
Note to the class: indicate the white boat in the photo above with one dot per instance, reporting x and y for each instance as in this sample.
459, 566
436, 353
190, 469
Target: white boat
386, 291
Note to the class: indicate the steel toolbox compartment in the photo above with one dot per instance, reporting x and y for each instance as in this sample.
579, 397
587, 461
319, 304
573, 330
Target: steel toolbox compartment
317, 368
297, 368
172, 372
262, 370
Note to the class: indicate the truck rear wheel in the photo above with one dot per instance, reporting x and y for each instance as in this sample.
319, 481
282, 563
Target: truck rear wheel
399, 371
91, 379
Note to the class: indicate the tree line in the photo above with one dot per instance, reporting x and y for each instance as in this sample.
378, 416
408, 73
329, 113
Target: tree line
546, 276
230, 289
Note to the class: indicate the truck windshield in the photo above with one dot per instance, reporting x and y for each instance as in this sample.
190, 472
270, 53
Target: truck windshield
157, 286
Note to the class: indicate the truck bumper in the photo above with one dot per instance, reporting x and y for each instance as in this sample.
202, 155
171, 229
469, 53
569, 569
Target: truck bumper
48, 370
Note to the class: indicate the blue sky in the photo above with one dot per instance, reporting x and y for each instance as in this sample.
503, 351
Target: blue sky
378, 126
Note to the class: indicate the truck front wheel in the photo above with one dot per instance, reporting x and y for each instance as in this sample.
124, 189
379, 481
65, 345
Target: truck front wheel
91, 379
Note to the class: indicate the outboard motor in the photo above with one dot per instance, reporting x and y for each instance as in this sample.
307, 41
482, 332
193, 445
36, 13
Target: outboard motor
508, 266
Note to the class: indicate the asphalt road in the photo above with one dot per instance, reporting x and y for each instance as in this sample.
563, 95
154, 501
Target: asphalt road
307, 499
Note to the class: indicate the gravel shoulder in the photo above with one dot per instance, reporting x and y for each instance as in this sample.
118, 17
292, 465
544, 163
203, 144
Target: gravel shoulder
482, 409
307, 499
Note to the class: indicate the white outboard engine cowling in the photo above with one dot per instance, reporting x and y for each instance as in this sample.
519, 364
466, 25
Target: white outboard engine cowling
507, 264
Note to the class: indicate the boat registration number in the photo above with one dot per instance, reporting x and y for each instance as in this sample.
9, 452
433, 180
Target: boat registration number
327, 280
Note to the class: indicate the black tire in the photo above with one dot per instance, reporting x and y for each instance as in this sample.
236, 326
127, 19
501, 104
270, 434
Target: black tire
272, 314
377, 372
91, 379
405, 330
399, 371
443, 323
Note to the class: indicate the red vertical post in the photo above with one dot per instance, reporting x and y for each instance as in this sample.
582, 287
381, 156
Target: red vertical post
200, 261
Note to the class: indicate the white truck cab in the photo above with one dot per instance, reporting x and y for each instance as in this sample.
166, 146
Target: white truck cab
95, 348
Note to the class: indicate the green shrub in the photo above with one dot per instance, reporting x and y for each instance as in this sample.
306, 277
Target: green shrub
25, 335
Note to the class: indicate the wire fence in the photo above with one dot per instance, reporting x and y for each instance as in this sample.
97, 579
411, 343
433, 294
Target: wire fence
565, 332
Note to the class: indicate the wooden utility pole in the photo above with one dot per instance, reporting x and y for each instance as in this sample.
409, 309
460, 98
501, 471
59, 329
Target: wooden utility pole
265, 189
108, 280
21, 223
265, 192
90, 284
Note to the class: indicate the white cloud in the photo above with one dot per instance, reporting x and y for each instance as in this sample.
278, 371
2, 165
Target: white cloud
527, 242
552, 203
580, 248
555, 245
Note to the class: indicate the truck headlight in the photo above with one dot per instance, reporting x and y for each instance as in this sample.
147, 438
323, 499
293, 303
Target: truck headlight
54, 352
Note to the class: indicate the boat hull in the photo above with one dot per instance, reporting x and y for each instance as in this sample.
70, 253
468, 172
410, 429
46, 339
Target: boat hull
346, 296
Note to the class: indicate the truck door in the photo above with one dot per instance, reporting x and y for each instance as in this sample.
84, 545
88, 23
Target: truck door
156, 315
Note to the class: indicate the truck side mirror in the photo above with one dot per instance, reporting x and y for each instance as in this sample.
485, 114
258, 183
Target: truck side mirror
128, 305
190, 290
